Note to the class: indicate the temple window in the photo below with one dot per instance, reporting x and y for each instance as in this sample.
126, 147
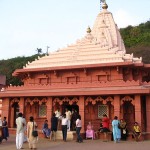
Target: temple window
42, 110
102, 109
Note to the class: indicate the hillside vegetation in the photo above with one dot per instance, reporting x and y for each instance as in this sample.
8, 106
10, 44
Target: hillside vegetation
136, 39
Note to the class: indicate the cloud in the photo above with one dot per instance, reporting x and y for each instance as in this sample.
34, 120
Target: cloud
123, 18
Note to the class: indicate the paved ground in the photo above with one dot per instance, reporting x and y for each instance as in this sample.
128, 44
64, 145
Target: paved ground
45, 144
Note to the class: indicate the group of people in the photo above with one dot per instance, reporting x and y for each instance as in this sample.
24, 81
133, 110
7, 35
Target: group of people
4, 134
119, 129
66, 120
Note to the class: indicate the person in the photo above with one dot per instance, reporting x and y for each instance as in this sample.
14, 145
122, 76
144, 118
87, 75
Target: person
25, 128
54, 125
136, 131
100, 130
58, 114
46, 130
78, 129
73, 119
89, 131
64, 123
123, 127
68, 116
116, 130
19, 131
5, 129
1, 138
31, 125
105, 122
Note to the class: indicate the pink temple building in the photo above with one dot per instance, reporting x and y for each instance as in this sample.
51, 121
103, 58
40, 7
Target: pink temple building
93, 76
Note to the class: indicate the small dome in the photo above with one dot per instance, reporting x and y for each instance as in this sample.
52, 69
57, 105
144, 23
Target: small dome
88, 30
105, 6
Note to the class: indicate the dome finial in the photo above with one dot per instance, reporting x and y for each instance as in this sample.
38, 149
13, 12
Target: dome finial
104, 5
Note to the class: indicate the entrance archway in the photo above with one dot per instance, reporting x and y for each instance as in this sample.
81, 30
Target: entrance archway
15, 113
128, 114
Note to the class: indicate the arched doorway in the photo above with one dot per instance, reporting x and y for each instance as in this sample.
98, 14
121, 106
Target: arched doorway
129, 114
15, 112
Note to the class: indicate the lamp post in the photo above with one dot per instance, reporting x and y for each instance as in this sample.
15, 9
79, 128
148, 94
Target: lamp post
47, 50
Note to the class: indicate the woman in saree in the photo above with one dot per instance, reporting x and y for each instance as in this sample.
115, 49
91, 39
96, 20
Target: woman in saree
31, 125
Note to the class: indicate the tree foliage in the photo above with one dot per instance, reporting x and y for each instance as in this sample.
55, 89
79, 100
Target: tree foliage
7, 67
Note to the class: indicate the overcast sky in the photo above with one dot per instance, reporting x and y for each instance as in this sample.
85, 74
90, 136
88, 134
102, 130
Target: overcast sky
26, 25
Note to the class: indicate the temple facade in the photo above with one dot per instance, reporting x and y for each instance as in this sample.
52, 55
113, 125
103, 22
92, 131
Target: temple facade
2, 85
95, 76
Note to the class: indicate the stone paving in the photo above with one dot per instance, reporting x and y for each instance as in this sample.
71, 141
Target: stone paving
45, 144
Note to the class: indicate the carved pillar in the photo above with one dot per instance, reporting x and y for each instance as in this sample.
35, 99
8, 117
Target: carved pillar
138, 109
11, 117
117, 104
21, 105
147, 113
5, 109
49, 109
81, 104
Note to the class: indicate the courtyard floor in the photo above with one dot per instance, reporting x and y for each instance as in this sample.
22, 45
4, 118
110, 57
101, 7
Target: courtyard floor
45, 144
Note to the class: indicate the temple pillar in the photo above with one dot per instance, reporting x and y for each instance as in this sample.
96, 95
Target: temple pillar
12, 117
138, 111
147, 113
21, 105
5, 109
49, 109
117, 104
81, 104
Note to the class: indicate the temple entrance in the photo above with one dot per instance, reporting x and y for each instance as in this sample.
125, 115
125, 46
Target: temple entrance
70, 107
128, 114
74, 114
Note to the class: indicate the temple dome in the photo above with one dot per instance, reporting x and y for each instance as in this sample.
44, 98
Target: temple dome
101, 44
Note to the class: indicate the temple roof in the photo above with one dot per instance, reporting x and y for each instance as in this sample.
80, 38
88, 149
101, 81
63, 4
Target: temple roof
101, 44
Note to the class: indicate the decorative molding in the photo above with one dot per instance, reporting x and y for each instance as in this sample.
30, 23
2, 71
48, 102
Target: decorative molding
98, 99
127, 99
118, 83
15, 100
36, 100
65, 99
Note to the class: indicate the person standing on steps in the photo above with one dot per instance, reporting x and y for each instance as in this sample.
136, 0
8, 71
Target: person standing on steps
64, 127
68, 116
54, 125
58, 115
78, 129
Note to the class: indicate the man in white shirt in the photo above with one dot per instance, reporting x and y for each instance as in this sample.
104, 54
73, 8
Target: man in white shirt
68, 116
58, 114
20, 131
64, 127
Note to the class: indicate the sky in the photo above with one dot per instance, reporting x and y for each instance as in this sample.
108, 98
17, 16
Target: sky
26, 25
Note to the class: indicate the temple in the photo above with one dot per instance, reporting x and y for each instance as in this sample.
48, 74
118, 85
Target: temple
95, 76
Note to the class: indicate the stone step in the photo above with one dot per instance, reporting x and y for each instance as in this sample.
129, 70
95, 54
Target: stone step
69, 135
